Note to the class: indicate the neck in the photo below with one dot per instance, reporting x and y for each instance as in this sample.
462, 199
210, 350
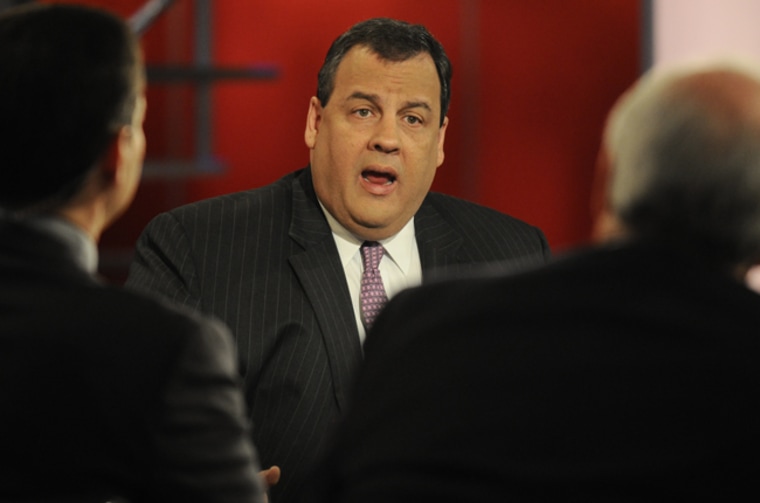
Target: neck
90, 218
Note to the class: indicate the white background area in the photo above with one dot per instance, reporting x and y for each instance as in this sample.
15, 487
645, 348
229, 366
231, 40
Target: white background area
687, 30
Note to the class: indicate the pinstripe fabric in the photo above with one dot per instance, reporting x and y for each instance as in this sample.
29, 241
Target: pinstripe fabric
264, 261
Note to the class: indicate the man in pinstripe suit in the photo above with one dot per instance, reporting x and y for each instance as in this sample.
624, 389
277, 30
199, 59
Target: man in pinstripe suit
280, 264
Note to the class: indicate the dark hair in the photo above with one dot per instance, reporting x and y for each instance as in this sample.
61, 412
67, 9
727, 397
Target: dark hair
69, 79
392, 40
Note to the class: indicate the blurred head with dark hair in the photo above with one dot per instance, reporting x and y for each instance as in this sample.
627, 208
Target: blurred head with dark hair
71, 88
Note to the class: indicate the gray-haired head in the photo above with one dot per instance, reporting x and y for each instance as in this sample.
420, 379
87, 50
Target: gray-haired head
684, 150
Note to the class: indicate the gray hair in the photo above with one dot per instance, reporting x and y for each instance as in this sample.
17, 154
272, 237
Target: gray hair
684, 146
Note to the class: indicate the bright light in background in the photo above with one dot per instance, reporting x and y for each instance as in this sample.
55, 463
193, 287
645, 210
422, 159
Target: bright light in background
686, 30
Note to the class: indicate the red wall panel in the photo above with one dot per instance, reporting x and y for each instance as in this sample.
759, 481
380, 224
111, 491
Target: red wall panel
550, 71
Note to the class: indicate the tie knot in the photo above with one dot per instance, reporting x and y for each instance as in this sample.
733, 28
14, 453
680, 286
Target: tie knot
372, 253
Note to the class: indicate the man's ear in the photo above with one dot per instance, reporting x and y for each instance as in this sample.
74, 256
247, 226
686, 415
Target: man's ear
114, 160
606, 225
600, 183
441, 139
109, 163
313, 118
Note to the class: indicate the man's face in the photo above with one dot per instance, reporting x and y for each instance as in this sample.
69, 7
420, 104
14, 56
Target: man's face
376, 145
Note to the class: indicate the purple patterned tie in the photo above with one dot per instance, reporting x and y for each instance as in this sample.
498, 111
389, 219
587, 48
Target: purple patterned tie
372, 298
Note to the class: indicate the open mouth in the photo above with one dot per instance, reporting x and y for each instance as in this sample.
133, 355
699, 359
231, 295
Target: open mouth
378, 177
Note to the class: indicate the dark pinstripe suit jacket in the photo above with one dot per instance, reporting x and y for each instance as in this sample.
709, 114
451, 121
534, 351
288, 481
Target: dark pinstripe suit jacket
265, 262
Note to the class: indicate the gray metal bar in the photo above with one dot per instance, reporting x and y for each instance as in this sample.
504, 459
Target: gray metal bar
149, 12
195, 74
203, 50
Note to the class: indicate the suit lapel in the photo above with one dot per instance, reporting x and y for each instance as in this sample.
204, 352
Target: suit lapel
321, 274
439, 244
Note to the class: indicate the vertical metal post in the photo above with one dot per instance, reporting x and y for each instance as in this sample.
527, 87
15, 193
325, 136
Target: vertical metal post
203, 54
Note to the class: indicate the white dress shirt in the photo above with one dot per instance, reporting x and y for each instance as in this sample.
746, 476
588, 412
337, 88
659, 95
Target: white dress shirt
400, 267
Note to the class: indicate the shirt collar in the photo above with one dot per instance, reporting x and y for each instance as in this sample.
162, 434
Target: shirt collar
398, 247
82, 248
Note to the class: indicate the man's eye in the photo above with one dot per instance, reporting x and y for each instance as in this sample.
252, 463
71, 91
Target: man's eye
363, 112
413, 120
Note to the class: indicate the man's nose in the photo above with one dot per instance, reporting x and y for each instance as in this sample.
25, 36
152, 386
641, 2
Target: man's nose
386, 136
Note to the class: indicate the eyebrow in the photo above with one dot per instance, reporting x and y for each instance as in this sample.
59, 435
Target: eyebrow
375, 99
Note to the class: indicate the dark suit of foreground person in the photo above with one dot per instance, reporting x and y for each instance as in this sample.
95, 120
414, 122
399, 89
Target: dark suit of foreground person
105, 394
624, 372
276, 263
